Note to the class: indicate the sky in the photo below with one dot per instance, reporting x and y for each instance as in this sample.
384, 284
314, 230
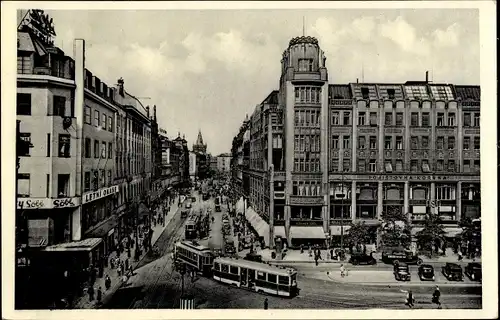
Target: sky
206, 69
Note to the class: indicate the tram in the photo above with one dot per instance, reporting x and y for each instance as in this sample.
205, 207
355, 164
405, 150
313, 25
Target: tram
191, 228
260, 277
195, 256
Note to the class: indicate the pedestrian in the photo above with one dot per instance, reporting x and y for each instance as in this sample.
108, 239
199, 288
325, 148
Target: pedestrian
266, 304
309, 250
126, 264
107, 282
410, 300
93, 275
316, 260
301, 248
436, 297
130, 270
129, 252
342, 270
90, 291
119, 270
99, 295
112, 263
331, 253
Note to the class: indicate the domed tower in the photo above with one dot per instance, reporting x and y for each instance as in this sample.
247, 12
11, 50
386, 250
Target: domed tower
304, 97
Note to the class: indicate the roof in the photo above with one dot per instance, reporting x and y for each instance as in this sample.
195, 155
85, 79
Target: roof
259, 266
272, 98
468, 92
340, 91
24, 42
82, 245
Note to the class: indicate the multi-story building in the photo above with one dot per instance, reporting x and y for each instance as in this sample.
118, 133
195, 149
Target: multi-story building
192, 166
202, 163
212, 160
224, 163
348, 152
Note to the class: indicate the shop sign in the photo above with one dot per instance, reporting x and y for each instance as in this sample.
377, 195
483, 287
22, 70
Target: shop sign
47, 203
404, 177
306, 200
306, 223
279, 222
101, 193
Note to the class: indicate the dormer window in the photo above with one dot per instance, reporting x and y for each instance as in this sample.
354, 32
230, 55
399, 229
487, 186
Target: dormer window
365, 93
391, 93
305, 65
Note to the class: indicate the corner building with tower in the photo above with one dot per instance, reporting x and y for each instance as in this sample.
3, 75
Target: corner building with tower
315, 157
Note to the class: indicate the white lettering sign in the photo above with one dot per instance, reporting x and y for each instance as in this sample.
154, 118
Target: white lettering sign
47, 203
101, 193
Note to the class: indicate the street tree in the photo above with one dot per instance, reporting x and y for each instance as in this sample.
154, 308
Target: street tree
395, 229
471, 233
432, 234
358, 236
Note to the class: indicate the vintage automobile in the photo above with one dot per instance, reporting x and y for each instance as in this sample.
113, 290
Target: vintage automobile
452, 271
426, 272
402, 272
253, 257
395, 257
473, 271
361, 258
229, 247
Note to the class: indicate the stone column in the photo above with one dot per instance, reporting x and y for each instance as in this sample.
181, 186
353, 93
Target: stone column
433, 197
458, 208
353, 201
406, 206
380, 199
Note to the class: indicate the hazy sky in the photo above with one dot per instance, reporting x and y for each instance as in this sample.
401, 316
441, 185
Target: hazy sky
207, 69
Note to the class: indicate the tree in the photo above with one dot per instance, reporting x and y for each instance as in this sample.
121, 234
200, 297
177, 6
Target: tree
396, 232
357, 236
432, 235
471, 233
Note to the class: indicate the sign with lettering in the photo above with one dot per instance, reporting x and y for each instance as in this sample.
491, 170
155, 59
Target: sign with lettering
420, 130
367, 130
394, 130
405, 177
101, 193
47, 203
471, 131
306, 223
279, 222
306, 200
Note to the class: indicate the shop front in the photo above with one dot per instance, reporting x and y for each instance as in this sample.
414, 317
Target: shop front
260, 226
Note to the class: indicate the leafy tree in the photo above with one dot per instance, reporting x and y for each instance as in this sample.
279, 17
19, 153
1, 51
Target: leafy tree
357, 236
395, 230
471, 233
432, 235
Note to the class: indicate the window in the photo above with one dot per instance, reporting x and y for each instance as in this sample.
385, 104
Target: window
260, 275
272, 278
477, 165
59, 106
347, 118
425, 166
88, 114
466, 166
414, 165
86, 183
373, 118
64, 145
414, 119
466, 143
346, 142
361, 142
365, 93
361, 165
451, 165
335, 118
110, 150
103, 150
440, 165
23, 185
63, 185
95, 180
399, 143
477, 143
444, 192
451, 143
414, 143
109, 178
440, 143
24, 148
283, 280
399, 165
391, 93
388, 118
49, 142
373, 165
305, 65
96, 118
361, 119
103, 121
373, 142
440, 119
425, 119
388, 166
23, 102
346, 166
388, 143
88, 148
335, 165
102, 178
425, 142
451, 119
96, 149
467, 119
476, 119
110, 124
399, 118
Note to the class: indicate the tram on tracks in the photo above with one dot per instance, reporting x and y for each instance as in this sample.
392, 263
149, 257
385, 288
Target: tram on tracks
256, 276
191, 228
197, 257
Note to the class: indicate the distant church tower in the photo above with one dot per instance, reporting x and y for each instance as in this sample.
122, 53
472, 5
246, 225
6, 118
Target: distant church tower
199, 147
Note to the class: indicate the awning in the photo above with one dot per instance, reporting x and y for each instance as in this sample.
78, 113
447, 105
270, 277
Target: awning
82, 245
307, 233
452, 232
260, 226
336, 230
279, 231
102, 230
415, 230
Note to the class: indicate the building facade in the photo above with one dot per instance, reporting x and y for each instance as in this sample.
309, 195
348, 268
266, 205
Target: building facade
224, 163
325, 155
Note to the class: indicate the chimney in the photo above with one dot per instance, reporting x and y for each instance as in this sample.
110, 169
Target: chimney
427, 77
154, 112
147, 112
357, 80
121, 90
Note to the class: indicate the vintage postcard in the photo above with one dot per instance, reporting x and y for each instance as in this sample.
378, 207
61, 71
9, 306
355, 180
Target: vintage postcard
249, 160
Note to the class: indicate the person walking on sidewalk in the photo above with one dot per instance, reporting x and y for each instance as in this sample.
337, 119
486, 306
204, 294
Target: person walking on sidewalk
436, 297
107, 282
266, 304
126, 264
410, 299
90, 291
309, 250
301, 248
119, 270
342, 270
99, 295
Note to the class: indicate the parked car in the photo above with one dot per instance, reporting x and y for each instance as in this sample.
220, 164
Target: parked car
452, 271
426, 272
473, 271
361, 258
253, 257
402, 272
395, 257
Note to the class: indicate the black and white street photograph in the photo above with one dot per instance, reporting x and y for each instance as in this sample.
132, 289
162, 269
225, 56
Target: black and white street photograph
263, 157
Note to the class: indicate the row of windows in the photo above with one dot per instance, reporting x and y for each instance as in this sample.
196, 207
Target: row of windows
58, 108
263, 276
307, 143
306, 188
307, 94
64, 145
307, 118
416, 119
307, 165
370, 165
24, 185
345, 116
96, 179
100, 120
346, 142
99, 152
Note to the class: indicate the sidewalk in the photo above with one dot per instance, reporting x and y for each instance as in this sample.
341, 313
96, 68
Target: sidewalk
83, 302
